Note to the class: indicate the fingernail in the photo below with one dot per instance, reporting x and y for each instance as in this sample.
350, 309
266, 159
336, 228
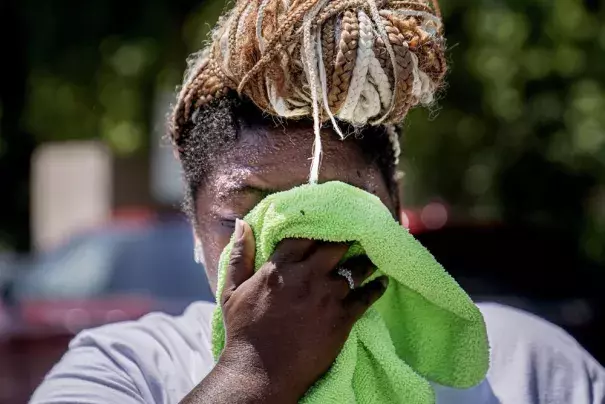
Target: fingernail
385, 281
239, 229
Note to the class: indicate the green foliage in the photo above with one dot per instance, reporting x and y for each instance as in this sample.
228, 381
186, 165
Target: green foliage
526, 89
99, 81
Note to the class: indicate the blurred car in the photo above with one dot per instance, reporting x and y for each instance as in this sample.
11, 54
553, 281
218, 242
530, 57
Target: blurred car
119, 272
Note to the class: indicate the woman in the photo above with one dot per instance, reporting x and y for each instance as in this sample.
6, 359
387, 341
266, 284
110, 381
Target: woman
283, 81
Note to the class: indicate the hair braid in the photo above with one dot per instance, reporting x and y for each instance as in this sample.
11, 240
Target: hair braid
328, 45
274, 44
410, 5
382, 54
338, 7
345, 60
437, 8
363, 62
404, 71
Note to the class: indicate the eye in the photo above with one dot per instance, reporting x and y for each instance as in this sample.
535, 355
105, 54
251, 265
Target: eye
227, 223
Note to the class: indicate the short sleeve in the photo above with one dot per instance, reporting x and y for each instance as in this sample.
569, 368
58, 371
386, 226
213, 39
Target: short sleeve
86, 375
534, 361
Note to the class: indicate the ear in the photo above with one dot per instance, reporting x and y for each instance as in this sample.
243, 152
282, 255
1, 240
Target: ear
198, 251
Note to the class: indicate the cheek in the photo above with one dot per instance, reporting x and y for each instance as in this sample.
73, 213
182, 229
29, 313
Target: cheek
214, 242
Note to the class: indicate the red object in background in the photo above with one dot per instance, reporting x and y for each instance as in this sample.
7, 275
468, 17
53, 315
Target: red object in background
410, 219
25, 360
75, 315
433, 216
134, 215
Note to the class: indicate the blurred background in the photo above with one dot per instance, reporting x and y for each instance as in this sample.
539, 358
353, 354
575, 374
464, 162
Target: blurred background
504, 178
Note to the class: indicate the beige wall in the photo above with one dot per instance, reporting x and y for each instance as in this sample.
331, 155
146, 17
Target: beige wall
80, 185
71, 190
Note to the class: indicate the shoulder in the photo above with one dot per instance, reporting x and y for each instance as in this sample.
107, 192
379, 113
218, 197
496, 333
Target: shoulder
515, 331
158, 358
535, 361
532, 362
155, 330
158, 348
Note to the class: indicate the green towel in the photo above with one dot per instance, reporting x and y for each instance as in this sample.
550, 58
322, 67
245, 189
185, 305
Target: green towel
424, 328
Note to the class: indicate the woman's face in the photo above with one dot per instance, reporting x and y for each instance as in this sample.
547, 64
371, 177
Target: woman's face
264, 161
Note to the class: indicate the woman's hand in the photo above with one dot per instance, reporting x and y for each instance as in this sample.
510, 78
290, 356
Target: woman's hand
286, 324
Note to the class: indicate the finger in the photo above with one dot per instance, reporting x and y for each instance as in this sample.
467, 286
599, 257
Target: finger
361, 268
339, 287
325, 257
359, 300
292, 250
241, 260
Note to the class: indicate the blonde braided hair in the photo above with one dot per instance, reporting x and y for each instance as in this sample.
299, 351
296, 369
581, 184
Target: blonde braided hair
363, 62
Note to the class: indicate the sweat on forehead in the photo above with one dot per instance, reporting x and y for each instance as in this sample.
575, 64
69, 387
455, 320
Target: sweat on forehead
280, 155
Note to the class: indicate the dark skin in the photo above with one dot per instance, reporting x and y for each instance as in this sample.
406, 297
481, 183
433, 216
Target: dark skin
286, 323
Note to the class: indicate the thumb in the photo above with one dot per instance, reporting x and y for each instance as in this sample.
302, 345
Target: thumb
241, 260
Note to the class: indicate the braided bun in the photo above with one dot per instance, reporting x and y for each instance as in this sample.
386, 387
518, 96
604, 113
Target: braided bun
364, 62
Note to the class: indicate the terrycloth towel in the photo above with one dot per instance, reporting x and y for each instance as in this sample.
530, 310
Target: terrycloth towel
424, 328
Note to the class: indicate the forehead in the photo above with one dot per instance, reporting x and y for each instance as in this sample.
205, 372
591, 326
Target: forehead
279, 158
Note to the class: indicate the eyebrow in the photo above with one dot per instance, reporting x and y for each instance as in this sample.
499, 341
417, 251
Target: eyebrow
240, 186
246, 188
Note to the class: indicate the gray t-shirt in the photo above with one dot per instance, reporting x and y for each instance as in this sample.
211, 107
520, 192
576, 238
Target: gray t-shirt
160, 359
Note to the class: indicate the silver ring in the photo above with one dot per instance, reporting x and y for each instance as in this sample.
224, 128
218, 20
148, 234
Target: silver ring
346, 273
